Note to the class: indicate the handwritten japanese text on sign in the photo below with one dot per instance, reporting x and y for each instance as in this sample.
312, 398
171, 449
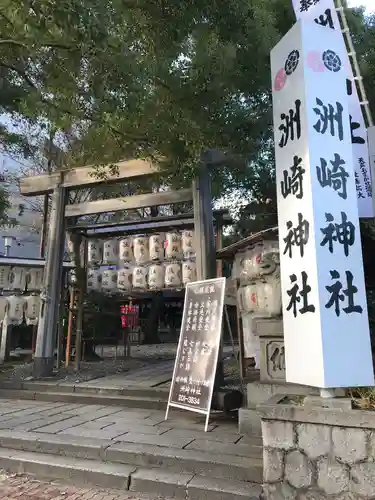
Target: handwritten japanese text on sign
199, 345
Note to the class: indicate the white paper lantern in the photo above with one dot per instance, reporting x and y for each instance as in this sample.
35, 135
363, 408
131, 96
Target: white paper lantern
156, 247
173, 245
187, 243
263, 298
250, 298
4, 277
156, 276
124, 279
110, 252
94, 280
94, 252
109, 280
17, 278
173, 275
189, 271
256, 263
32, 309
3, 306
126, 249
140, 277
16, 307
270, 298
34, 279
141, 251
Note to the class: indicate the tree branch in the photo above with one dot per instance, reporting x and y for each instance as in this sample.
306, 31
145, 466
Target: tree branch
6, 19
80, 116
13, 42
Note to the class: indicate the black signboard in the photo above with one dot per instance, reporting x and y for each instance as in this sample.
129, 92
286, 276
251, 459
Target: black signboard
198, 348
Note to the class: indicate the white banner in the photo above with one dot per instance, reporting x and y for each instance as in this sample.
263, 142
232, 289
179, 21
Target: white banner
323, 12
325, 315
371, 146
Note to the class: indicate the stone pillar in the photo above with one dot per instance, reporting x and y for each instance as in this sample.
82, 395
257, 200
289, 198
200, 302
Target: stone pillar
49, 311
272, 355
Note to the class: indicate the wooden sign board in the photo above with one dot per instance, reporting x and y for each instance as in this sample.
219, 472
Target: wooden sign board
198, 349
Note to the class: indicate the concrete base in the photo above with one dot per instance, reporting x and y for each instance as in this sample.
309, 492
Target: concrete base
259, 392
43, 367
249, 422
226, 400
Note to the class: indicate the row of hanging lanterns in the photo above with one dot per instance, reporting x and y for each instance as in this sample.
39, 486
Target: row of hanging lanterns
142, 249
18, 278
15, 308
154, 276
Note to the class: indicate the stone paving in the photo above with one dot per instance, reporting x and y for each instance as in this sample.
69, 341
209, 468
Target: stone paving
25, 488
133, 449
116, 423
143, 358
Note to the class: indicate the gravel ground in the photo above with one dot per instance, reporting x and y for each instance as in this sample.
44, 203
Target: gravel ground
109, 365
27, 488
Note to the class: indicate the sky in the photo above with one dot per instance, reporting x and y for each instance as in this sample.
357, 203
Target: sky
369, 4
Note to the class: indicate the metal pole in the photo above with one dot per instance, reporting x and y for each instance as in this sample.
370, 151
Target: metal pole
45, 342
241, 347
205, 237
198, 229
203, 225
219, 246
60, 325
70, 326
81, 283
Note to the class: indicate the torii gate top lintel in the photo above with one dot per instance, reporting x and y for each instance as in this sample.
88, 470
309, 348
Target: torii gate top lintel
83, 176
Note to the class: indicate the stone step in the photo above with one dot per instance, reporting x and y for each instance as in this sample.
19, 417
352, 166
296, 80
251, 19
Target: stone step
176, 460
91, 387
148, 403
184, 486
71, 470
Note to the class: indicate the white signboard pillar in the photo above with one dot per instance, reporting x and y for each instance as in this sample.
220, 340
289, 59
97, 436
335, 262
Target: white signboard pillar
371, 146
323, 13
326, 330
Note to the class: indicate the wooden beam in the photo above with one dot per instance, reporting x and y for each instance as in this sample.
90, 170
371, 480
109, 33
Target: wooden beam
83, 176
128, 203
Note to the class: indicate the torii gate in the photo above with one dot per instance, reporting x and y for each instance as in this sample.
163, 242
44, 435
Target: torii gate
59, 183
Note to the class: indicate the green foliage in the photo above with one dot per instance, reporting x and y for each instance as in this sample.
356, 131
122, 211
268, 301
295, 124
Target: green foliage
160, 79
150, 78
363, 32
4, 207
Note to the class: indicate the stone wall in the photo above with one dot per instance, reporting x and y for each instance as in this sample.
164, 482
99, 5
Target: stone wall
308, 457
